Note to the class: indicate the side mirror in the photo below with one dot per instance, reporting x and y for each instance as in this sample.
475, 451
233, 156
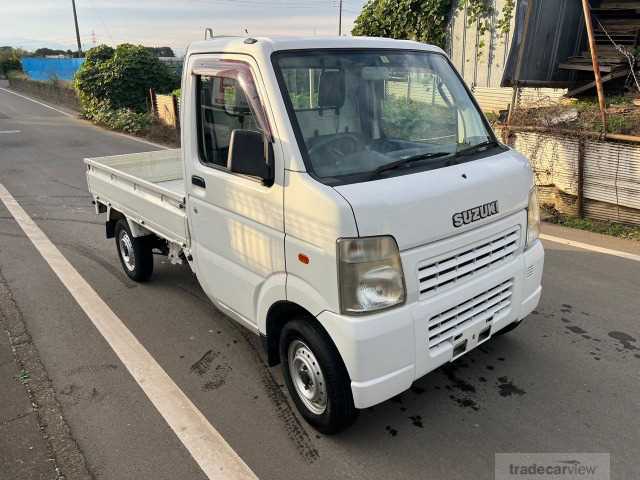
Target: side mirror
250, 153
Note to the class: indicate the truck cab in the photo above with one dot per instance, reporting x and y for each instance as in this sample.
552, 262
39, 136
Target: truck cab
343, 198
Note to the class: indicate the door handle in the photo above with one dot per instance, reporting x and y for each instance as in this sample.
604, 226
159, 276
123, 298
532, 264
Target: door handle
198, 181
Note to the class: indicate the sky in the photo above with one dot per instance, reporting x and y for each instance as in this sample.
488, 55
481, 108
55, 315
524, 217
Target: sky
31, 24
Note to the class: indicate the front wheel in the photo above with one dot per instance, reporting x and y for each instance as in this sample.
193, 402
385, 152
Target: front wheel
136, 254
316, 377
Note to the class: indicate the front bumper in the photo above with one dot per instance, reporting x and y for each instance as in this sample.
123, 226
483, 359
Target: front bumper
385, 353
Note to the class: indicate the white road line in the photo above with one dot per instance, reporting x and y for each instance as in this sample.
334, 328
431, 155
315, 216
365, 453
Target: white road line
593, 248
120, 134
207, 447
9, 131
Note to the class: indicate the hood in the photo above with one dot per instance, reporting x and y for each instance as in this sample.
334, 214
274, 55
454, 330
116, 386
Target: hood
422, 207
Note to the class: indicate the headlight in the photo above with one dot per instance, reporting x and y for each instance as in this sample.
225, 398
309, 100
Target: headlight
370, 274
533, 218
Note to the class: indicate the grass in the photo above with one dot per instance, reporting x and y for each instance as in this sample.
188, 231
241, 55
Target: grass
24, 376
613, 229
161, 133
492, 117
622, 116
16, 75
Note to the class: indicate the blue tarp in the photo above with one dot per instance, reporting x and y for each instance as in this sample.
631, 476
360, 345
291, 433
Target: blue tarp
51, 68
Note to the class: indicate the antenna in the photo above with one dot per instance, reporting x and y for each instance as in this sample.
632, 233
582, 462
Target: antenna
208, 33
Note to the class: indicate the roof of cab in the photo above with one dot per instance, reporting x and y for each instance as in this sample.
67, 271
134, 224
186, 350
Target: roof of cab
267, 45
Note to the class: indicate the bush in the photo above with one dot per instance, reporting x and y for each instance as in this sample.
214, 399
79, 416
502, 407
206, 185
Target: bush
123, 119
413, 120
121, 78
420, 20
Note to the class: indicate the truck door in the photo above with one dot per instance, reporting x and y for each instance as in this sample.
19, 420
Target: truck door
236, 221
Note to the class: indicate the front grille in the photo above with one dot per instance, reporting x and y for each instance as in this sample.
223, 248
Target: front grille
435, 275
446, 325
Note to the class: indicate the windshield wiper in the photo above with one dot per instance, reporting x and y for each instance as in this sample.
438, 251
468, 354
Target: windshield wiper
476, 148
407, 161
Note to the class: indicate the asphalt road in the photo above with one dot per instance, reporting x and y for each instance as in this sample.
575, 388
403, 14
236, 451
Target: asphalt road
565, 381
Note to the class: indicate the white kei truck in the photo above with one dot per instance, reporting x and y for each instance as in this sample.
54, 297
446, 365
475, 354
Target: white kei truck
343, 198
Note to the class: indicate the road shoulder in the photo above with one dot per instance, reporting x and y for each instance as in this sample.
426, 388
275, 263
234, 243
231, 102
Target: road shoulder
35, 440
591, 238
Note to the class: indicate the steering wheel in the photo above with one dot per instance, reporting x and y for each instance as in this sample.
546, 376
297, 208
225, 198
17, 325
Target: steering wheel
338, 145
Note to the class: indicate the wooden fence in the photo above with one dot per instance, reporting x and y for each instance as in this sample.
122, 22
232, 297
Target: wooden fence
166, 108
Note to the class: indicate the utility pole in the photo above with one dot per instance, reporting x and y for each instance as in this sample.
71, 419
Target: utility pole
75, 19
340, 18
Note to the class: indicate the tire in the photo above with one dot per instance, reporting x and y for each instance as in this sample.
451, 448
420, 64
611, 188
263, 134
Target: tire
136, 254
308, 357
512, 326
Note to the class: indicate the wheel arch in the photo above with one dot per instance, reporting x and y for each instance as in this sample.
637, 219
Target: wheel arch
114, 215
277, 316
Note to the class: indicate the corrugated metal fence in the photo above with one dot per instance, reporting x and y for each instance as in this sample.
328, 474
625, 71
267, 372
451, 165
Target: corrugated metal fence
495, 99
611, 174
44, 69
424, 92
480, 58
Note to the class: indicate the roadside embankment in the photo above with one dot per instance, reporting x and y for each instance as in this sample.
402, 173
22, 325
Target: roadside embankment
54, 91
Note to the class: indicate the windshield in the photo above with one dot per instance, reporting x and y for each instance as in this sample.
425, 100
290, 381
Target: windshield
366, 112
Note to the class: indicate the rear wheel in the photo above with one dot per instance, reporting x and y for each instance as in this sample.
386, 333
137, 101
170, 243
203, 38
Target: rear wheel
316, 377
136, 254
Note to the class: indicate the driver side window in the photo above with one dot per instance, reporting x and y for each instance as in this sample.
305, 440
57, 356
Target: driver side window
222, 107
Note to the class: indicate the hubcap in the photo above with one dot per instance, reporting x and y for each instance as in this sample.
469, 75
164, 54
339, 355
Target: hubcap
307, 377
126, 251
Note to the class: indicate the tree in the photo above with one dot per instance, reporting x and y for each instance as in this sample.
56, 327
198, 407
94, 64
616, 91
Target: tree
121, 78
45, 52
427, 20
420, 20
10, 60
161, 51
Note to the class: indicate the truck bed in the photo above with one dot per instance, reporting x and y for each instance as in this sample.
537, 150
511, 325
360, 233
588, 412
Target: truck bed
146, 187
